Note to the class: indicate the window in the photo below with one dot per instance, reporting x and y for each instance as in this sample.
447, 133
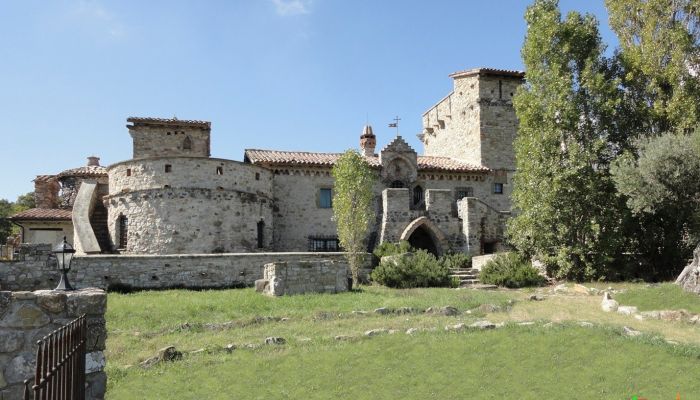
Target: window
489, 247
219, 170
257, 176
128, 172
498, 188
463, 192
261, 234
123, 231
397, 185
417, 195
187, 143
321, 244
168, 168
325, 198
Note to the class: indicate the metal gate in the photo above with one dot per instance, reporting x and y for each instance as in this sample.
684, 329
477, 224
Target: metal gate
60, 364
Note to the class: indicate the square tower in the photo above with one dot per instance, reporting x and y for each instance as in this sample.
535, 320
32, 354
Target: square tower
475, 123
157, 137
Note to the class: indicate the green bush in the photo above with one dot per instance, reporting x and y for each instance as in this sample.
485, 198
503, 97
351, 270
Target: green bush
391, 249
419, 269
456, 260
512, 271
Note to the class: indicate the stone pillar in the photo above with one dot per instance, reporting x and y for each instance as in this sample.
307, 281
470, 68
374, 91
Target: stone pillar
26, 317
46, 191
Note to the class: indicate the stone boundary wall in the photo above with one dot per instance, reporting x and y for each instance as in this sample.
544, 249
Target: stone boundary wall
195, 271
26, 317
287, 278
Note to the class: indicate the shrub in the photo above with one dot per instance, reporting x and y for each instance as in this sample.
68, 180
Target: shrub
391, 249
419, 269
512, 271
456, 260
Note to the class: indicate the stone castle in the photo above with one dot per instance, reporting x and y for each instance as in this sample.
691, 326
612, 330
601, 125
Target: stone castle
171, 197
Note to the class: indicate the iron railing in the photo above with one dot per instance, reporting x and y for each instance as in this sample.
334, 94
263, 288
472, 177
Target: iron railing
60, 364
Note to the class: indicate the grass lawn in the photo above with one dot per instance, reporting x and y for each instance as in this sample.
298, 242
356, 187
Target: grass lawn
666, 296
525, 362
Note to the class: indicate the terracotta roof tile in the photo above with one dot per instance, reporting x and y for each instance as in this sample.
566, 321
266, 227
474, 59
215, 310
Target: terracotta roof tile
88, 170
44, 178
291, 158
53, 214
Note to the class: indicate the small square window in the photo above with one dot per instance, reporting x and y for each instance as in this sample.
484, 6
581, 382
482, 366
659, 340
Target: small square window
219, 170
498, 188
168, 168
325, 199
128, 172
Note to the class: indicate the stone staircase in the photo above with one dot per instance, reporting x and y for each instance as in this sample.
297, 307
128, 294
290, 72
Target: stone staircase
98, 221
466, 276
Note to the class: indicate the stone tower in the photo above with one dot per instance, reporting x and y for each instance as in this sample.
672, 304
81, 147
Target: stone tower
475, 123
158, 137
368, 142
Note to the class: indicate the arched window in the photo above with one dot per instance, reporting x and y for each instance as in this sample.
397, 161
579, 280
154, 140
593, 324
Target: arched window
417, 195
123, 223
397, 185
187, 144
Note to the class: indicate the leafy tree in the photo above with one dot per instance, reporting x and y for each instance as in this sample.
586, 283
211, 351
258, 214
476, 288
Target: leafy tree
352, 206
5, 225
659, 61
563, 193
662, 187
24, 202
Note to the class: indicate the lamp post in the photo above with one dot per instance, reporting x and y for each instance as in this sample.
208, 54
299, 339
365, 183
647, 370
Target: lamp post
64, 255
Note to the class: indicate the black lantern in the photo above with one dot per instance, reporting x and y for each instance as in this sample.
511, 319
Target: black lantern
64, 255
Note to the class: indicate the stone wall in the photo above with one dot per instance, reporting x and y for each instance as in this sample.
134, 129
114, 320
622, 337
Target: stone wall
154, 271
478, 116
297, 213
188, 172
157, 138
26, 317
482, 225
202, 205
287, 278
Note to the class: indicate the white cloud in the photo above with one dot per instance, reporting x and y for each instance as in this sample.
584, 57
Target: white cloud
292, 7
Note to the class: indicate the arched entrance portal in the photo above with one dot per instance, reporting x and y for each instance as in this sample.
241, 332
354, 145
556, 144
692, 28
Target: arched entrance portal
421, 239
423, 234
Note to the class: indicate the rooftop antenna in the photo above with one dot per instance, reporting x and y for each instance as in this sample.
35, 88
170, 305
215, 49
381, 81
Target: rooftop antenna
395, 124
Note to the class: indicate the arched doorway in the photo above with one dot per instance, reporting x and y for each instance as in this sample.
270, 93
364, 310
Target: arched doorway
422, 239
422, 233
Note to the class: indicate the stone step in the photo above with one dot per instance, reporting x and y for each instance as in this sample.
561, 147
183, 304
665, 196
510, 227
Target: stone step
468, 282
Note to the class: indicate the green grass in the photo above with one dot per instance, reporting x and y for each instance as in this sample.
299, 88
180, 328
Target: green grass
535, 362
155, 310
666, 296
566, 362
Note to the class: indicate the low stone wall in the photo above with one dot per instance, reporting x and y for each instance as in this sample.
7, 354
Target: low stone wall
26, 317
286, 278
478, 262
154, 271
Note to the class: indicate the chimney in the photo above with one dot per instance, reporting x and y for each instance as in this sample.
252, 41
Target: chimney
368, 142
46, 191
93, 161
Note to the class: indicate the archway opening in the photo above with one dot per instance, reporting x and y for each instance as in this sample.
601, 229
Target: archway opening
422, 239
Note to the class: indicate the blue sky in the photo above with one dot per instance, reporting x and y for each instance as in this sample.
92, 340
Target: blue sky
269, 74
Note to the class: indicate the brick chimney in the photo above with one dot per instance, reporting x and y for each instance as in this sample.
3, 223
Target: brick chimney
46, 191
368, 142
93, 161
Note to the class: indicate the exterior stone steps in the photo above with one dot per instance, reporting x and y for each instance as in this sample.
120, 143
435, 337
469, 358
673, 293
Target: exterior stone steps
466, 276
98, 221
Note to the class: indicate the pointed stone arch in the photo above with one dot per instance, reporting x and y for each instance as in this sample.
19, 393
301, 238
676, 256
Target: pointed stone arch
424, 225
